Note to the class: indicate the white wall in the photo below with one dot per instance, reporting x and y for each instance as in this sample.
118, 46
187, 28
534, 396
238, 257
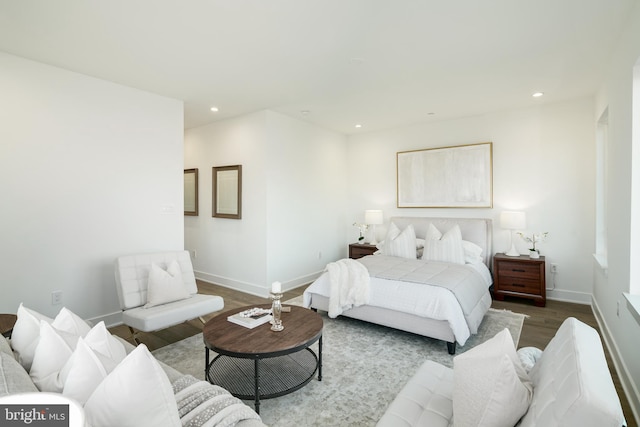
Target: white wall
622, 331
293, 203
86, 168
543, 161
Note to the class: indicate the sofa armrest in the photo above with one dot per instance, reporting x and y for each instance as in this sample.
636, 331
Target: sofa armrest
426, 400
572, 383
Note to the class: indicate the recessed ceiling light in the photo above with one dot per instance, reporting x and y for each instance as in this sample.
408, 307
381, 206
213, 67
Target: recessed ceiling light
215, 109
358, 126
537, 94
305, 112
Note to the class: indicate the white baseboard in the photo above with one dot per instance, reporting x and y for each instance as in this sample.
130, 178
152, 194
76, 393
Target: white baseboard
569, 296
633, 395
110, 320
250, 288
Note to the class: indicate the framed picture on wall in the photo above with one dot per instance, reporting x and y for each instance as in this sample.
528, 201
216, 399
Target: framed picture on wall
227, 192
446, 177
191, 192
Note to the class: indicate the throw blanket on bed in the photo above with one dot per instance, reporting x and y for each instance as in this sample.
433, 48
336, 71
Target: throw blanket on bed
463, 281
349, 281
202, 404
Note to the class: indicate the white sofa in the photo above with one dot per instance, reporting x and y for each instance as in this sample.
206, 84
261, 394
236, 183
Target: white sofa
132, 275
572, 387
14, 380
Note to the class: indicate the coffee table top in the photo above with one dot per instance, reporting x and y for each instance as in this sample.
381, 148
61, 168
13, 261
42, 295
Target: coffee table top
6, 323
302, 327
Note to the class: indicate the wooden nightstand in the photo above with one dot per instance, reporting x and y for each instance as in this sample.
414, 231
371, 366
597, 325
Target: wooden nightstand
356, 250
519, 276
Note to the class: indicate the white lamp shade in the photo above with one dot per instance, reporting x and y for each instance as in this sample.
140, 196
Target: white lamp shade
513, 220
373, 217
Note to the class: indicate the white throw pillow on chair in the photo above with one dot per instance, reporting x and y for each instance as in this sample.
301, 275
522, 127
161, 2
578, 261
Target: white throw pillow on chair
165, 286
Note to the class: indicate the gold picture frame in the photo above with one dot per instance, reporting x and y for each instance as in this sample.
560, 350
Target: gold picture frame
446, 177
227, 192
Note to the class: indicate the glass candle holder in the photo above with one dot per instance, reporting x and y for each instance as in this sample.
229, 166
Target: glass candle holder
276, 312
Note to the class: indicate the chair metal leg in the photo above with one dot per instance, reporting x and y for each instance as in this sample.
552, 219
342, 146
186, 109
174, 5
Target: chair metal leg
134, 335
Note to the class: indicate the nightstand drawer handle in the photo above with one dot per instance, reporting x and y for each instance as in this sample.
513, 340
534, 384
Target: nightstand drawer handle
519, 285
519, 270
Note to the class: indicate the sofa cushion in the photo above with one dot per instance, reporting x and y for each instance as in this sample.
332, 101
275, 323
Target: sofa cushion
68, 321
491, 388
572, 383
53, 350
426, 399
5, 347
13, 378
165, 286
26, 333
137, 394
82, 373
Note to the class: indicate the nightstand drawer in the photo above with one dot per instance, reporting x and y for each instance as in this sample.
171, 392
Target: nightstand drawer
519, 269
514, 284
357, 250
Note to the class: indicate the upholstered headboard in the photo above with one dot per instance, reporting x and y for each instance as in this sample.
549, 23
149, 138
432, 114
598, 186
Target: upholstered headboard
476, 230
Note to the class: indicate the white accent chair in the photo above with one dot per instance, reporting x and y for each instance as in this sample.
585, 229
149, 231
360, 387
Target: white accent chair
132, 275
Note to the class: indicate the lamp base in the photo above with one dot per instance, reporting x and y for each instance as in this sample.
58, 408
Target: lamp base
513, 251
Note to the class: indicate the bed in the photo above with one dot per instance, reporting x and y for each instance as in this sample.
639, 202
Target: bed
430, 291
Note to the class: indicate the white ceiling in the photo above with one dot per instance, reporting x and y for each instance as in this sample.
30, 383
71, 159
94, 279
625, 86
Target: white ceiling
381, 63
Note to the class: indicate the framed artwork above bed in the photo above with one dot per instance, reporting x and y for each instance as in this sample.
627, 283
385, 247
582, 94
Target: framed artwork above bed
446, 177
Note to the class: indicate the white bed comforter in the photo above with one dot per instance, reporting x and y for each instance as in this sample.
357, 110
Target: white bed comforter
413, 297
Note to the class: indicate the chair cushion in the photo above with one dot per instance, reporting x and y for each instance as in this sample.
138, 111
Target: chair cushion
165, 315
426, 399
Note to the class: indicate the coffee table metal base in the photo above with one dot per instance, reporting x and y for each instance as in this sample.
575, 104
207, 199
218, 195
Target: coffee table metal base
264, 378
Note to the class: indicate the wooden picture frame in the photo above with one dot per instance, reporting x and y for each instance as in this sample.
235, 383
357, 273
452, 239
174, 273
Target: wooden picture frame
191, 192
446, 177
227, 192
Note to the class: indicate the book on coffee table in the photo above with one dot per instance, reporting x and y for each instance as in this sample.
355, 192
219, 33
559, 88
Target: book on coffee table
249, 322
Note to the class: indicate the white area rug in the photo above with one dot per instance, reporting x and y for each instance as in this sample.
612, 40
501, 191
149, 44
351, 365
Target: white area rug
364, 367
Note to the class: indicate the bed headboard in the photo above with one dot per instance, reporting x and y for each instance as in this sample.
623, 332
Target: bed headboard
476, 230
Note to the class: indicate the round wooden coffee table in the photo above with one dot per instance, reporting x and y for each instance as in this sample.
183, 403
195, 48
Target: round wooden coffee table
259, 363
6, 324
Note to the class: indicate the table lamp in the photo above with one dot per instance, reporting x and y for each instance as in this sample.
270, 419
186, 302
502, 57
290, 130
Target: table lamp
513, 220
373, 217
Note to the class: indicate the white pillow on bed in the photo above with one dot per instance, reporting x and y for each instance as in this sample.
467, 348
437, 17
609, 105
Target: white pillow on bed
472, 252
445, 248
400, 243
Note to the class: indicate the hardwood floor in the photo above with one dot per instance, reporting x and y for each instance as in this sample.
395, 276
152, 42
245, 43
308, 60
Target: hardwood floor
539, 326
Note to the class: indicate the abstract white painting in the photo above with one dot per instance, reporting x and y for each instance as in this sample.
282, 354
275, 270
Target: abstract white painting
446, 177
